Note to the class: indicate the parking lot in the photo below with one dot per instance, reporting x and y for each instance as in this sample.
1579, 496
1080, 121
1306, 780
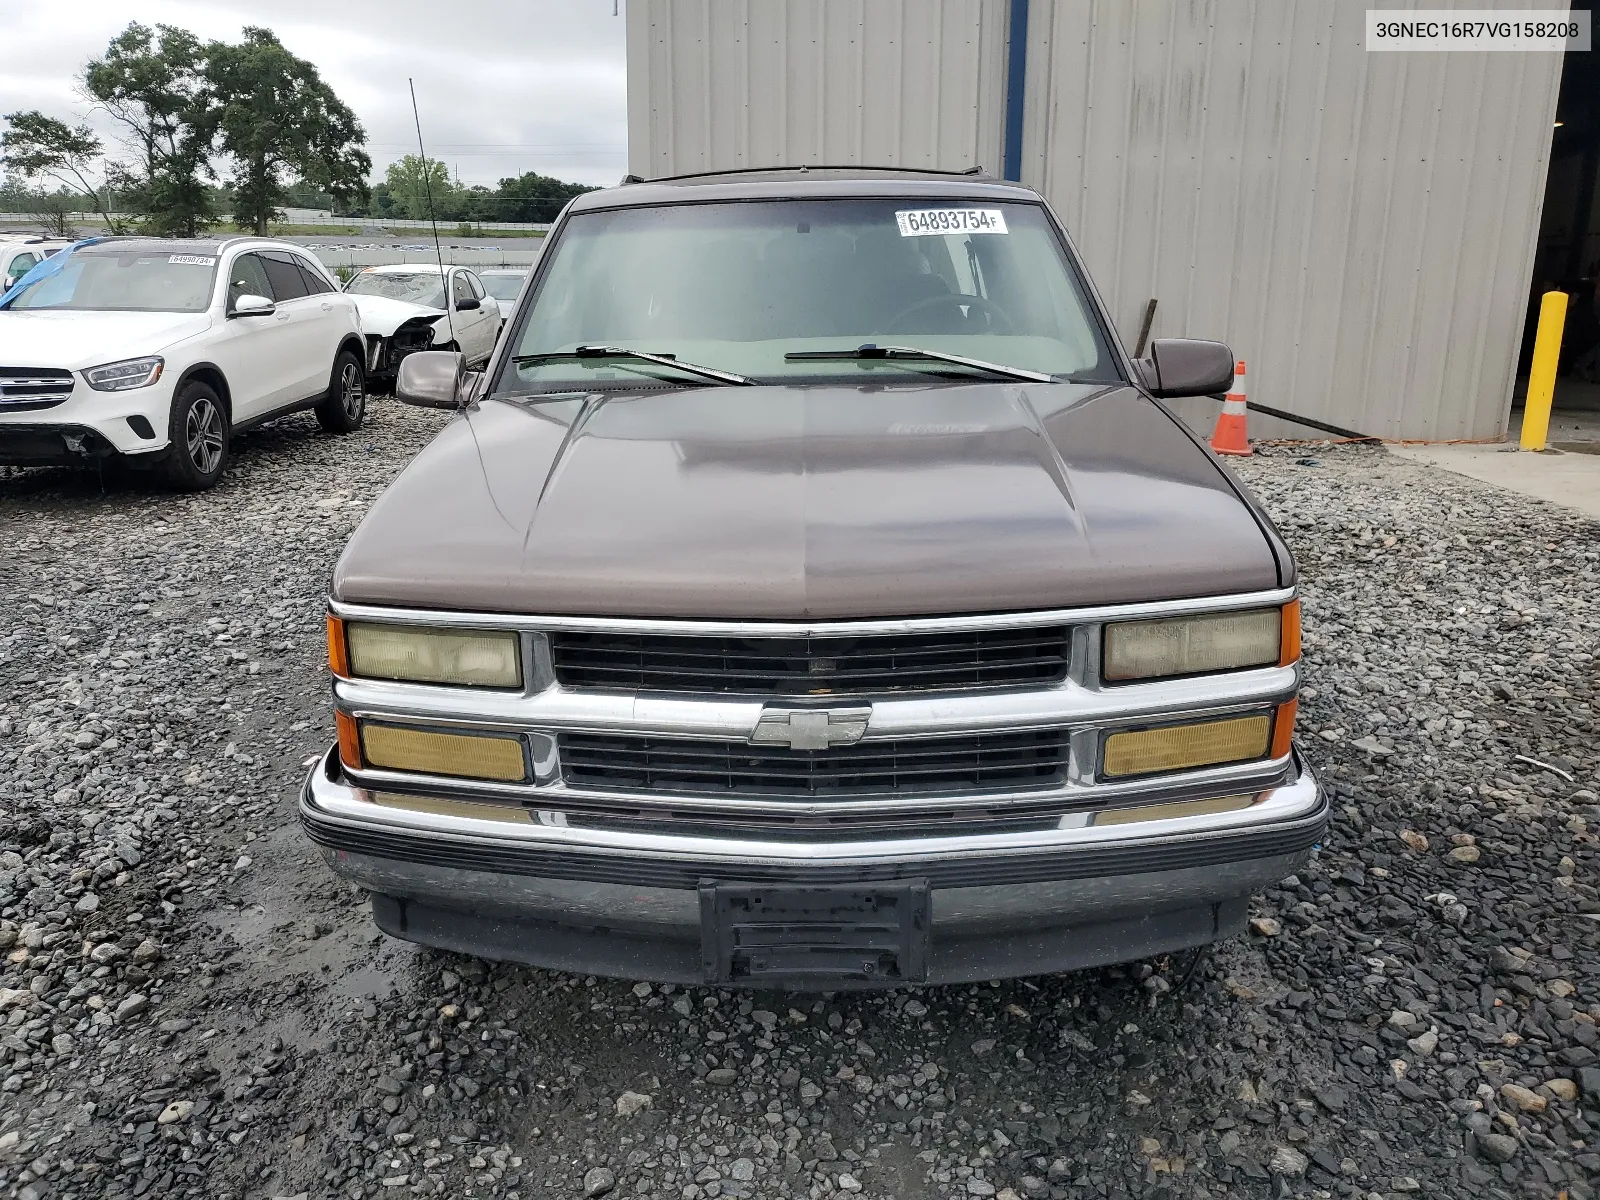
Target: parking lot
194, 1007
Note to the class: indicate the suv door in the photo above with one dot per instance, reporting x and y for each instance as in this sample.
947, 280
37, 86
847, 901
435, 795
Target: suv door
254, 353
307, 344
335, 310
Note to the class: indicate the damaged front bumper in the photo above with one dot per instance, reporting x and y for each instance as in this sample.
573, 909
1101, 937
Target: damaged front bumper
384, 353
56, 446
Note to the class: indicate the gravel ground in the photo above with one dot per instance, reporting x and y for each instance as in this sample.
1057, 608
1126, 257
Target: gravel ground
193, 1007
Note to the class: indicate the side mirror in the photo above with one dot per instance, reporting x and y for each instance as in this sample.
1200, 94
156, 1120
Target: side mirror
467, 304
1187, 367
11, 282
432, 379
251, 305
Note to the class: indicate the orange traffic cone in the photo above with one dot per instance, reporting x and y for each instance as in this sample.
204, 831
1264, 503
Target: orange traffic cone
1229, 437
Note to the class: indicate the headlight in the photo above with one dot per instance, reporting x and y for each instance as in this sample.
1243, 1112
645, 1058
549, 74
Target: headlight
417, 654
125, 375
1192, 645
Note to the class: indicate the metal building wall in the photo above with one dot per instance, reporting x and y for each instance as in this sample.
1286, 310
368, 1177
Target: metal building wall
714, 84
1358, 226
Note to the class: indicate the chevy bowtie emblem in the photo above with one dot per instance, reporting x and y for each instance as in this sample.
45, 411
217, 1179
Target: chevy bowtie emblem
811, 728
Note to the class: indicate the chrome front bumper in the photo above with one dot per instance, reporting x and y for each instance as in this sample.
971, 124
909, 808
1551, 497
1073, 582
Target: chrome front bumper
601, 898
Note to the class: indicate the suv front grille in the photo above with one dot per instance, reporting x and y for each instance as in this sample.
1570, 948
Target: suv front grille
811, 666
24, 389
907, 766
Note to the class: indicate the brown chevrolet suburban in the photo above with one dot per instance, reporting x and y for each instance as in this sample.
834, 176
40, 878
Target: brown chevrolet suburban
811, 592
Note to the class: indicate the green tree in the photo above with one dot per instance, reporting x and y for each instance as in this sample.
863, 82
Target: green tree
38, 147
529, 197
151, 81
280, 123
410, 188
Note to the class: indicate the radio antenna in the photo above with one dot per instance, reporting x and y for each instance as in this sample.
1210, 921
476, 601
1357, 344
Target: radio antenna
427, 191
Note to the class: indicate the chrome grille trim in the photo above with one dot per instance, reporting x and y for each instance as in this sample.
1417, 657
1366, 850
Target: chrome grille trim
926, 715
1070, 797
26, 389
1095, 614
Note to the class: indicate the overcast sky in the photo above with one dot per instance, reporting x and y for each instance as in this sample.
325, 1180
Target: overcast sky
504, 86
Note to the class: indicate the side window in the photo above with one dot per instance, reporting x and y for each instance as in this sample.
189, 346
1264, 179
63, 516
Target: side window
247, 277
476, 284
460, 289
315, 283
22, 264
284, 275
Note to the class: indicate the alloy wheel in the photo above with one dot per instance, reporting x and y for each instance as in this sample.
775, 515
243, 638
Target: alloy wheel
351, 394
203, 433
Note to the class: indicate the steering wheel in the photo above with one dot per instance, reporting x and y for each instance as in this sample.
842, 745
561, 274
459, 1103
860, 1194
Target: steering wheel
999, 320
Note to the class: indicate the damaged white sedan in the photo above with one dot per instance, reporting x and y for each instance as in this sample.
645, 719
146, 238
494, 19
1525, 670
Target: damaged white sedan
403, 310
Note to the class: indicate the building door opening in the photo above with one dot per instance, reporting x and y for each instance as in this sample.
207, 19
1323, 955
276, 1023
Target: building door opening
1568, 260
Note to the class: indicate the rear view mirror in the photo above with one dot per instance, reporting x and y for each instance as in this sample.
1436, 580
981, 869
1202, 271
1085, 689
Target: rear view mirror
1187, 367
251, 305
431, 379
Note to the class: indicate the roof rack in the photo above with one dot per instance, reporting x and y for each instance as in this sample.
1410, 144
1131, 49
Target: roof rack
967, 172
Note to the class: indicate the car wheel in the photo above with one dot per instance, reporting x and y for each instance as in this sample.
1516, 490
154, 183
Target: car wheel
199, 433
346, 402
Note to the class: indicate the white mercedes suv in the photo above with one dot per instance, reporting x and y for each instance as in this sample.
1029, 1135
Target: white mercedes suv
156, 351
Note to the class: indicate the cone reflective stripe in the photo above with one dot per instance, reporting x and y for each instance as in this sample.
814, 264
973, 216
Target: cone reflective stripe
1230, 436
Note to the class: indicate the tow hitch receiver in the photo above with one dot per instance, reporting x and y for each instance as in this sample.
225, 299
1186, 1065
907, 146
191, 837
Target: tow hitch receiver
814, 936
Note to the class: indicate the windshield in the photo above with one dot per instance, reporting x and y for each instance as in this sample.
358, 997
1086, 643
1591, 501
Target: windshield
503, 287
414, 287
737, 286
132, 281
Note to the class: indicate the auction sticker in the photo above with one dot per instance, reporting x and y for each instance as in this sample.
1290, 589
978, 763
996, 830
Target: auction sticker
917, 222
193, 260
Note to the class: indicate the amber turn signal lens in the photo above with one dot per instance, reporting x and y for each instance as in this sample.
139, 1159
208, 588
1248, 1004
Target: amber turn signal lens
1283, 728
338, 649
1289, 637
1179, 747
468, 756
349, 740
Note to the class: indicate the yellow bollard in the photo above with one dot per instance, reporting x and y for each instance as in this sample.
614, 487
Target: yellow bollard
1542, 375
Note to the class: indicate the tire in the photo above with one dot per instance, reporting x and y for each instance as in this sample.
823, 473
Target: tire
199, 429
346, 403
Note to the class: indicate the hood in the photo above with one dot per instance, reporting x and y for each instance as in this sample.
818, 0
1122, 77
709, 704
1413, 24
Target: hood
77, 338
773, 503
382, 316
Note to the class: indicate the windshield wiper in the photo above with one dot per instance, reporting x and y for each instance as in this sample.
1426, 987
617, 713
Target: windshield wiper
710, 374
870, 352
